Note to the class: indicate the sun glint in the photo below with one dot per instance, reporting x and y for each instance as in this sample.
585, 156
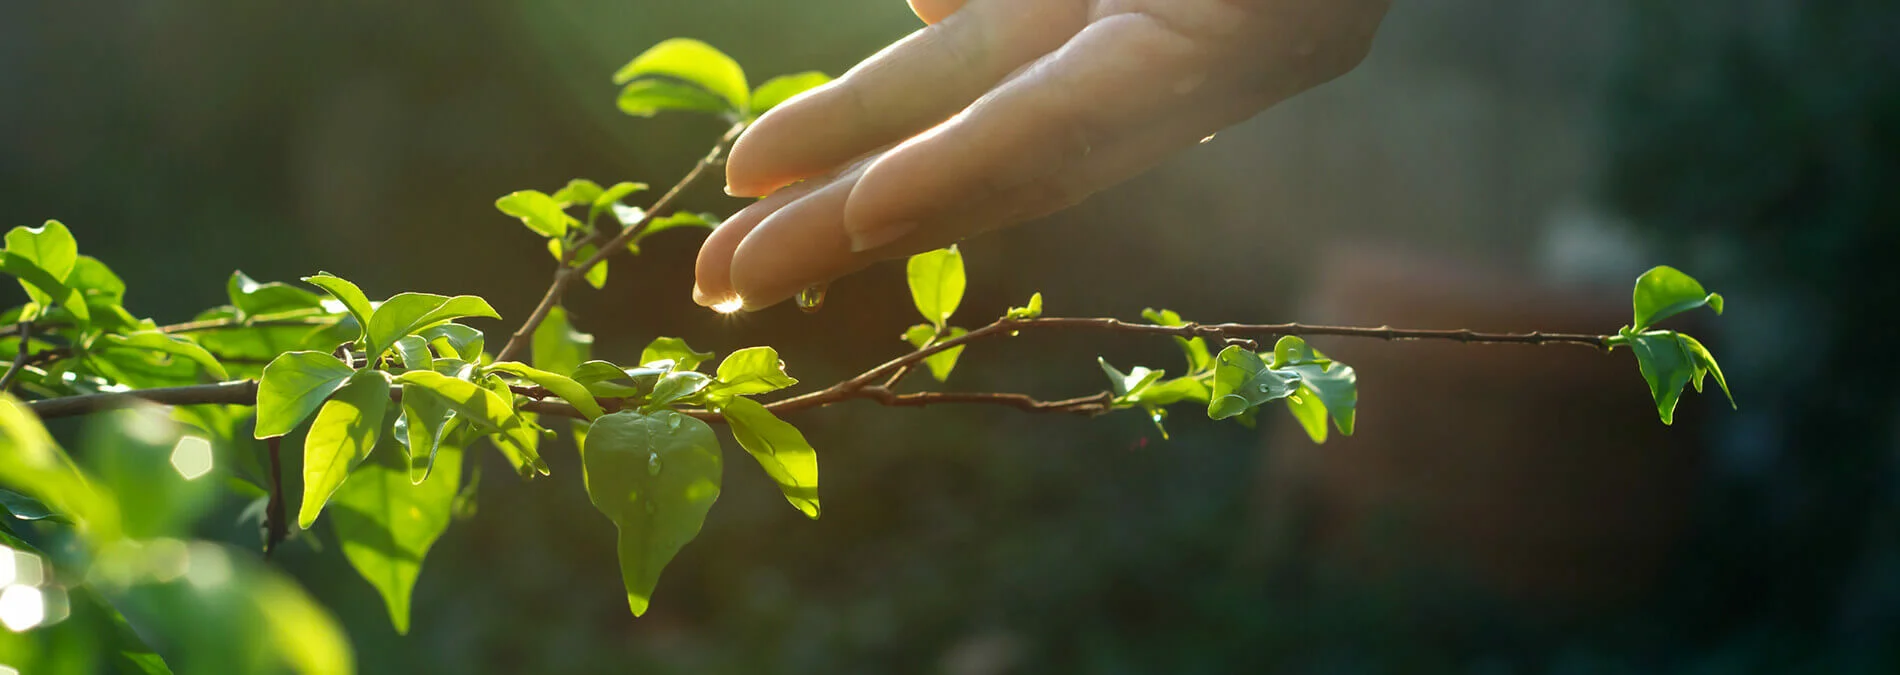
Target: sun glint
730, 306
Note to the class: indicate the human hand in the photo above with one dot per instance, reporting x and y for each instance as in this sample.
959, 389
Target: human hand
1000, 111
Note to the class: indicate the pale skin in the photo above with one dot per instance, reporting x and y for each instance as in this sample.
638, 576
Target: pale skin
1001, 111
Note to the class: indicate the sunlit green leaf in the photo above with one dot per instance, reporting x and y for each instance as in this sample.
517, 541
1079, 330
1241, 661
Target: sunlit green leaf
170, 344
426, 421
1705, 364
749, 372
1309, 412
26, 508
675, 350
578, 191
655, 476
1670, 361
1199, 359
782, 88
558, 347
346, 293
646, 98
1242, 381
345, 430
691, 62
464, 342
254, 298
407, 313
33, 465
538, 211
49, 246
1334, 383
780, 449
674, 387
44, 288
385, 524
936, 283
414, 352
1664, 292
629, 216
1030, 311
611, 196
293, 387
96, 281
1130, 384
560, 385
940, 363
487, 410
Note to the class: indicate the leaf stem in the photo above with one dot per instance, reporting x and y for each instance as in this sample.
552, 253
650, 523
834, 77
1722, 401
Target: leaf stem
276, 529
19, 356
567, 274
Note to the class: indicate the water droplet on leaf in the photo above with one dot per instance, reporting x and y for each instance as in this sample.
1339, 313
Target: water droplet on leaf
1266, 388
672, 423
811, 299
653, 464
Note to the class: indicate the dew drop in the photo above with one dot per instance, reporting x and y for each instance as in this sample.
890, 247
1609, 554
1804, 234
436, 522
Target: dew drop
1266, 388
811, 299
1015, 333
672, 423
653, 464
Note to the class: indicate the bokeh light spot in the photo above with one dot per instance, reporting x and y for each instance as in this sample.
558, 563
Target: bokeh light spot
20, 568
192, 457
22, 607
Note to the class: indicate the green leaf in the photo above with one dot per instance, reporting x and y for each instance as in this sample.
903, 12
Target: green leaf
407, 313
538, 211
691, 62
1705, 364
27, 508
749, 372
630, 216
160, 477
50, 246
1242, 382
1664, 291
560, 385
1030, 311
557, 347
170, 344
1199, 359
936, 283
464, 342
345, 430
488, 411
578, 191
606, 379
940, 363
253, 298
346, 293
1334, 383
781, 450
655, 476
1669, 361
646, 98
294, 386
96, 281
782, 88
426, 421
44, 287
414, 352
1168, 392
611, 196
1131, 384
675, 350
33, 465
675, 386
1309, 412
385, 524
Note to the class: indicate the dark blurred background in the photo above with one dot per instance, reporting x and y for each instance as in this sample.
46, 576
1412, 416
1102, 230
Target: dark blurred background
1493, 165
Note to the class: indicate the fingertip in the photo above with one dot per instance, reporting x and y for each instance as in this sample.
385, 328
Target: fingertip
712, 270
932, 11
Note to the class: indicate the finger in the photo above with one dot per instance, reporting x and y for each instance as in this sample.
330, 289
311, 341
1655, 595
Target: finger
1121, 75
804, 244
915, 83
932, 11
796, 247
712, 273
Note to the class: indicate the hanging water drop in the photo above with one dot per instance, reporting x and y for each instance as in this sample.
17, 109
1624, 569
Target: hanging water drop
653, 464
811, 299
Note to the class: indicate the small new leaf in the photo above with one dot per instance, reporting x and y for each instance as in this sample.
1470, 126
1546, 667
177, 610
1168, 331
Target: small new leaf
1030, 311
749, 372
1664, 292
538, 211
346, 293
940, 363
1242, 382
936, 283
782, 88
408, 313
675, 350
294, 385
689, 62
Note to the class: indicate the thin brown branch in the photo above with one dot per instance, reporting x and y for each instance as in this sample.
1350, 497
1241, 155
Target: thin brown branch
20, 356
565, 277
276, 528
866, 385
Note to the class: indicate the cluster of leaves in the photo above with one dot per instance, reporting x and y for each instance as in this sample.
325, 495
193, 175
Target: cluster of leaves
391, 397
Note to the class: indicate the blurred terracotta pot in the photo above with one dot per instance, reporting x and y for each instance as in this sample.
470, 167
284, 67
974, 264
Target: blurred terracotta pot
1535, 478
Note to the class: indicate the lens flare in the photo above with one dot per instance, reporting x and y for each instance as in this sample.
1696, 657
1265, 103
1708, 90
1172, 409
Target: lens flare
730, 306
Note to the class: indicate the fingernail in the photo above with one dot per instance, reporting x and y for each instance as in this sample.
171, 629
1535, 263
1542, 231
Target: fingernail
878, 237
731, 192
700, 298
